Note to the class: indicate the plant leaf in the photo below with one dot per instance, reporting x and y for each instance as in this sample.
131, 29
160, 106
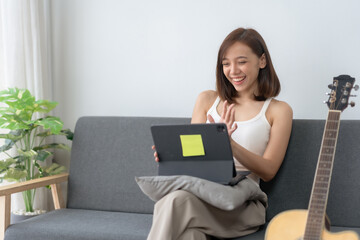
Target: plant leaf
27, 154
43, 155
19, 160
14, 174
54, 169
19, 99
10, 136
68, 133
7, 163
44, 134
54, 124
12, 122
13, 135
65, 132
6, 111
44, 106
53, 145
7, 146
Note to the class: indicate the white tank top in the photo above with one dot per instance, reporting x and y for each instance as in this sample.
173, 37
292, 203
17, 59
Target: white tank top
252, 134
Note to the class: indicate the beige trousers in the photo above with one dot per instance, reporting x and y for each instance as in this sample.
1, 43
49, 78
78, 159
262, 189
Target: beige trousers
180, 215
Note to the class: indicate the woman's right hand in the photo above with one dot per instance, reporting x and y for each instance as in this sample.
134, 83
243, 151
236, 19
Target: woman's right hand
227, 117
155, 154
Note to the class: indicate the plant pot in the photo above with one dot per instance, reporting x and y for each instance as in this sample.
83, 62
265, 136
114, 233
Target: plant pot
21, 215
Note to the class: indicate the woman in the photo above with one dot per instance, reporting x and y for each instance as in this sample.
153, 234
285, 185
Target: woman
259, 128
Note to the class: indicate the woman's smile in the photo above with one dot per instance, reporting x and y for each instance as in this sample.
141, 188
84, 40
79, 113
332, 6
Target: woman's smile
238, 80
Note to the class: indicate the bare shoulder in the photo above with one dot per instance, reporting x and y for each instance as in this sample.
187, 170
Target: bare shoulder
206, 99
280, 106
279, 111
202, 105
208, 95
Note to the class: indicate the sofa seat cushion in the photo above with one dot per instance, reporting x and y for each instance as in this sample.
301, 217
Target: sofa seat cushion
80, 224
71, 224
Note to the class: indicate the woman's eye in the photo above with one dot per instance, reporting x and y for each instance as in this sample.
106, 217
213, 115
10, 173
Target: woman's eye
225, 64
241, 62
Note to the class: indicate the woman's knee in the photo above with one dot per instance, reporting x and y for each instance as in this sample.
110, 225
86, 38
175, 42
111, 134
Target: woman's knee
175, 198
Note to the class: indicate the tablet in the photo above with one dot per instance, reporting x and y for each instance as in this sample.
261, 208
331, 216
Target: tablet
199, 150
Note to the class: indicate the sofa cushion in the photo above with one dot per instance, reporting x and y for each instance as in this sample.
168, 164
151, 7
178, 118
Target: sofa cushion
107, 153
73, 224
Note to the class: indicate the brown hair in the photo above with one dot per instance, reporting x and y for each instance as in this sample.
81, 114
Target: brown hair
268, 82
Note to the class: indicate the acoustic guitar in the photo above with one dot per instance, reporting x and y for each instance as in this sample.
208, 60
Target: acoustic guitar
311, 224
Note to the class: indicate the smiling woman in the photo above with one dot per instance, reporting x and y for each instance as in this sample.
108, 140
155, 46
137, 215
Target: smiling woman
243, 48
259, 128
241, 67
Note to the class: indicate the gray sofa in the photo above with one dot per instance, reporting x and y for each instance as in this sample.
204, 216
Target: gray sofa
104, 202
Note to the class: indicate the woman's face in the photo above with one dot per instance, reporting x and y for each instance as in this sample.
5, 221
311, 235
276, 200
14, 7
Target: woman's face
241, 67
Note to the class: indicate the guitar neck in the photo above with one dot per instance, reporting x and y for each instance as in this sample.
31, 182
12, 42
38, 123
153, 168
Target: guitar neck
320, 190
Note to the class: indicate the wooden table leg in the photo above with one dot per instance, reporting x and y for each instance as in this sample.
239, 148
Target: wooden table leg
5, 207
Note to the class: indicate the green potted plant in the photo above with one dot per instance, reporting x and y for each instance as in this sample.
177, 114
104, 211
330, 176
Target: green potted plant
25, 150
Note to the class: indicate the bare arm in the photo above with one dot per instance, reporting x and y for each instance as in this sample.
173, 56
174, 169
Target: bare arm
266, 166
202, 105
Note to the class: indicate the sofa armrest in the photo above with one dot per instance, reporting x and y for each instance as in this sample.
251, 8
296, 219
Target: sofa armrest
6, 191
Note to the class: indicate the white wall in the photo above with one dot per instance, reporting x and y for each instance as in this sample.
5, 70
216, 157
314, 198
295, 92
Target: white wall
152, 58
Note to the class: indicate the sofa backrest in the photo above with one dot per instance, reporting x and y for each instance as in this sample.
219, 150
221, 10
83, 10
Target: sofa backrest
291, 188
107, 153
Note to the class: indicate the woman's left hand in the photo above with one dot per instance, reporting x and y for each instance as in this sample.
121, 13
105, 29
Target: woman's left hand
227, 117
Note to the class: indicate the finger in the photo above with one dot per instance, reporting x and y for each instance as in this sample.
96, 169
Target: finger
156, 157
233, 129
229, 112
153, 147
210, 118
232, 116
224, 109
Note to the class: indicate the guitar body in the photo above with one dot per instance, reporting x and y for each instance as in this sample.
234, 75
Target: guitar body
290, 225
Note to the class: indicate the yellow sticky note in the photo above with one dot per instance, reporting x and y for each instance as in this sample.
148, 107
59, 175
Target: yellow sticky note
192, 145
